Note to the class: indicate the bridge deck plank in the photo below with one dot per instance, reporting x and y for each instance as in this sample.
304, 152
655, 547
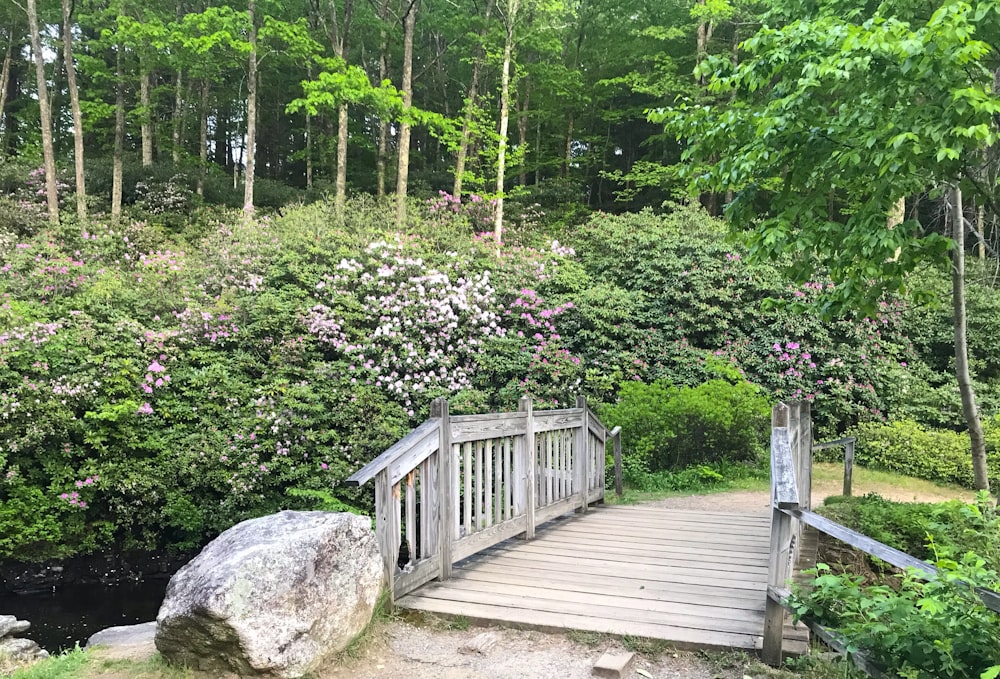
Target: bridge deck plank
698, 580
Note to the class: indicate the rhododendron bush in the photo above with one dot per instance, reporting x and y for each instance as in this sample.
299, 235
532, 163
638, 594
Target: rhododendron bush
157, 386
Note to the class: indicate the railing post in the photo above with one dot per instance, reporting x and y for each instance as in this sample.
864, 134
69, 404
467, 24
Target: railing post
805, 455
528, 458
777, 577
616, 439
387, 528
582, 463
783, 464
848, 466
446, 491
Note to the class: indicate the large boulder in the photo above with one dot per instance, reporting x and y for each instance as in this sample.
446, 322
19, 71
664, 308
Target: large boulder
272, 597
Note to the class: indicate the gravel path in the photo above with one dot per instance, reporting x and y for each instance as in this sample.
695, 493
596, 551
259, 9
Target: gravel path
740, 501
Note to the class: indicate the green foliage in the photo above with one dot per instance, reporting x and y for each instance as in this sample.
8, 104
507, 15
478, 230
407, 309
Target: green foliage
925, 629
830, 192
672, 428
908, 448
921, 528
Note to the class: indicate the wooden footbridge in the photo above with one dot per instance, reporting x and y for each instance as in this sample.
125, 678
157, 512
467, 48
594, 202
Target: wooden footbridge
508, 526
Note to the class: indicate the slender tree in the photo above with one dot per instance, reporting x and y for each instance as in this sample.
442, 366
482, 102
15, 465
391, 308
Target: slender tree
383, 75
74, 100
471, 102
119, 143
248, 206
48, 150
5, 82
509, 12
969, 408
338, 31
403, 164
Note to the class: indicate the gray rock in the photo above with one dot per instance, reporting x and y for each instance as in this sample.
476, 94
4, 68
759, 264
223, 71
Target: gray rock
272, 597
9, 626
22, 649
124, 635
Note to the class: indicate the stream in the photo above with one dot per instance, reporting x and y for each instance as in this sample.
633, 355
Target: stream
68, 614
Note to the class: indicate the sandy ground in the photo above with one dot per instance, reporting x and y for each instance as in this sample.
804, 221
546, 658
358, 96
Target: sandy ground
422, 652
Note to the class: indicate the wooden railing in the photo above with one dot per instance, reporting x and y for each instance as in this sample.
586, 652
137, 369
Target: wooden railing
502, 474
791, 479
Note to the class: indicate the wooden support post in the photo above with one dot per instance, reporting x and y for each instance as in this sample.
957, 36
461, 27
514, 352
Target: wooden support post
777, 576
805, 455
616, 439
387, 528
530, 462
848, 466
581, 450
793, 435
447, 489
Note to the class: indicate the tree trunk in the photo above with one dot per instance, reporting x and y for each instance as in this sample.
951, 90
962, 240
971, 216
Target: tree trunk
116, 172
403, 165
5, 82
74, 100
981, 232
522, 134
309, 153
383, 126
508, 47
340, 190
48, 152
568, 158
203, 137
969, 408
251, 114
703, 38
146, 119
178, 115
339, 36
538, 150
463, 144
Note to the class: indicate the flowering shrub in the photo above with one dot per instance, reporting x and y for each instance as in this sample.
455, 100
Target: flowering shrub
411, 330
476, 209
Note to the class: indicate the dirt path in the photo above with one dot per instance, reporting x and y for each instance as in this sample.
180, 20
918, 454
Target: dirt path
409, 651
757, 501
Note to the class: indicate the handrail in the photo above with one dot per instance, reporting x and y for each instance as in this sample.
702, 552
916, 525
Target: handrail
457, 485
393, 453
786, 511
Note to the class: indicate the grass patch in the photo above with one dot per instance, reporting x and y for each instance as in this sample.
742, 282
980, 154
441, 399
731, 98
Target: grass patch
651, 648
700, 479
816, 666
381, 617
589, 639
63, 666
828, 480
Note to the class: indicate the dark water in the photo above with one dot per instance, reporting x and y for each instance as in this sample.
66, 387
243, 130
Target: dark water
70, 614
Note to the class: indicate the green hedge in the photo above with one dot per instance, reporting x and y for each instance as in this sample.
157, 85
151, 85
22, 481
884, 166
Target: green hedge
671, 428
905, 447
